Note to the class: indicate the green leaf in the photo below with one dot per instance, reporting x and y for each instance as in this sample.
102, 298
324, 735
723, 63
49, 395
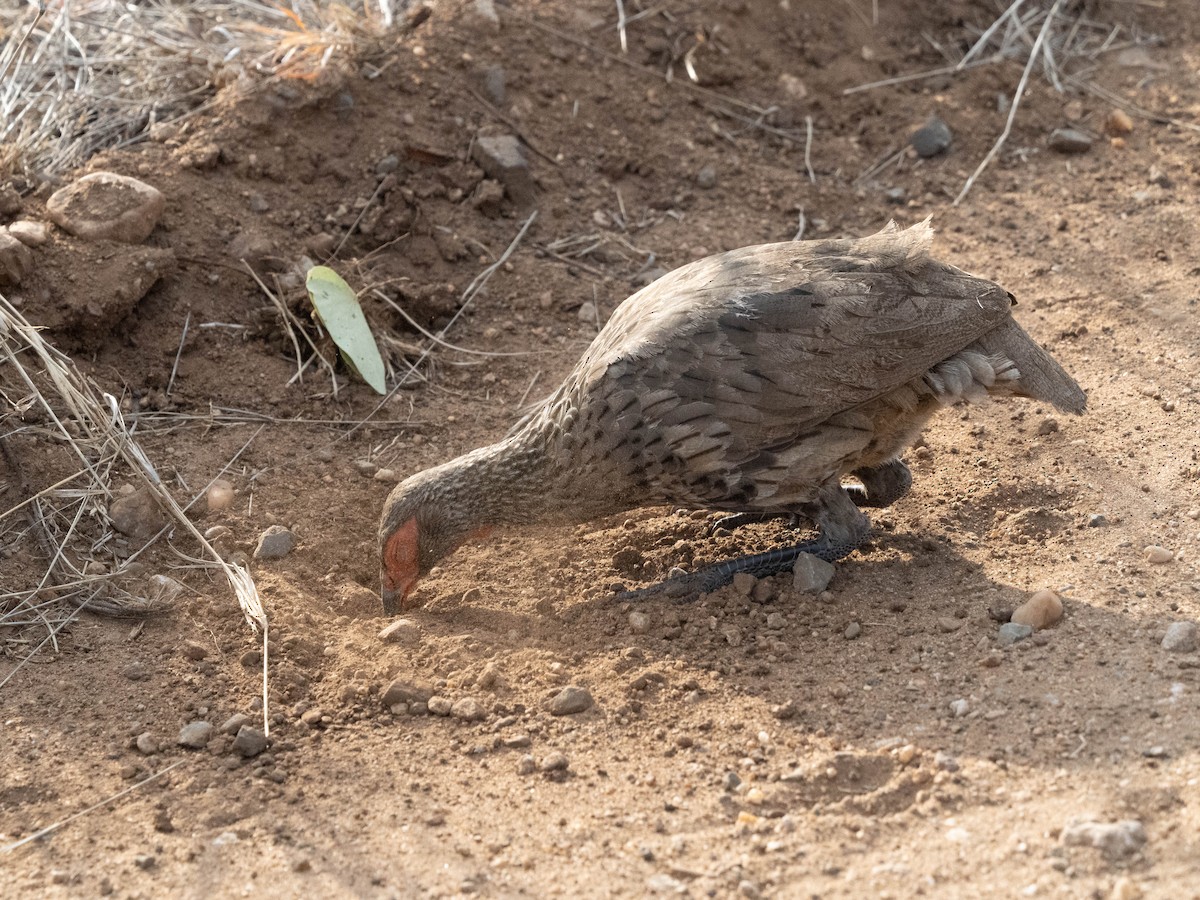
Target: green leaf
337, 307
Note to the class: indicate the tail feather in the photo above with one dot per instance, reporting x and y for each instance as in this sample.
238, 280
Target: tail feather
1041, 377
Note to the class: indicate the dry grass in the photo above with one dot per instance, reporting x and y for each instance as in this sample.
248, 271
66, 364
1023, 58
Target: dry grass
60, 535
79, 77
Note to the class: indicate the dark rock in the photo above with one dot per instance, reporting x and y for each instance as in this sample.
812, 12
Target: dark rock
16, 261
570, 700
404, 691
249, 741
195, 735
1070, 140
137, 514
274, 543
502, 158
932, 138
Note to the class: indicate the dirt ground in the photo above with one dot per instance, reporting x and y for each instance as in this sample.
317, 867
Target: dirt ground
735, 746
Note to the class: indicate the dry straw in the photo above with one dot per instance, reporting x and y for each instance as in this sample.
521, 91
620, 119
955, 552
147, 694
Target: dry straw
50, 412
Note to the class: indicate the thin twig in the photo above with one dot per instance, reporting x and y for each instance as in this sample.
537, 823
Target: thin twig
1016, 102
621, 26
808, 128
42, 832
178, 353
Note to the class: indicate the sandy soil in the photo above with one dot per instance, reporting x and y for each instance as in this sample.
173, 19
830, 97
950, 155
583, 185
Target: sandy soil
735, 746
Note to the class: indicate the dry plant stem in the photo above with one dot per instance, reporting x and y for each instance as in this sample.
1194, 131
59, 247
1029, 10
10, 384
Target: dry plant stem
178, 353
1016, 102
659, 76
1132, 108
9, 848
621, 22
987, 35
444, 343
482, 101
362, 212
293, 325
917, 76
808, 128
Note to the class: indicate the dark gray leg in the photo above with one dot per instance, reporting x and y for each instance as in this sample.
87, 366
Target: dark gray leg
882, 485
842, 528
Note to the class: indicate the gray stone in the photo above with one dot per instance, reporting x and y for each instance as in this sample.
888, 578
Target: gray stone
852, 631
1097, 520
570, 700
554, 762
894, 195
932, 138
494, 84
234, 723
15, 260
1180, 637
193, 650
106, 206
468, 709
1070, 140
1114, 839
527, 765
811, 574
274, 543
402, 690
146, 744
440, 706
136, 671
10, 201
502, 158
706, 178
31, 234
387, 165
1011, 632
195, 735
639, 622
402, 631
136, 514
249, 741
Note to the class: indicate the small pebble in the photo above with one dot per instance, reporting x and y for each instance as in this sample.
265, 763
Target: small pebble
852, 631
906, 754
1125, 888
743, 583
1180, 637
1011, 632
945, 762
1114, 839
570, 700
219, 495
517, 742
440, 706
217, 533
810, 574
468, 709
526, 765
776, 620
949, 623
1070, 140
195, 735
959, 708
146, 744
402, 631
732, 635
193, 650
249, 741
639, 622
31, 234
1157, 555
1040, 611
312, 717
1118, 122
706, 178
932, 138
274, 543
1097, 520
234, 723
554, 762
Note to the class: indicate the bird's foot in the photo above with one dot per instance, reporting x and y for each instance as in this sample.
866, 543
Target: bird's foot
881, 486
760, 565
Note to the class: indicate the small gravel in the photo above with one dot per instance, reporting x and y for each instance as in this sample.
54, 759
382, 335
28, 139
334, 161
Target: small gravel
405, 632
1115, 840
1011, 632
234, 723
1040, 611
570, 700
274, 543
526, 765
403, 690
1157, 555
1070, 140
932, 138
554, 762
706, 178
852, 631
959, 708
468, 709
639, 622
249, 741
440, 706
810, 574
1180, 637
193, 650
146, 744
195, 735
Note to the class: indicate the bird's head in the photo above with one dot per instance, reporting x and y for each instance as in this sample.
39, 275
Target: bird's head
419, 526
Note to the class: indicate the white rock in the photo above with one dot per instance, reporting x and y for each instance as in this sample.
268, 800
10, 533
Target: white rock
107, 206
31, 234
1114, 839
639, 622
959, 708
1158, 555
1180, 637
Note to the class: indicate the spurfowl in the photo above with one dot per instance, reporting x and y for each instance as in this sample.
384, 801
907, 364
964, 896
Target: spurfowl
751, 381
